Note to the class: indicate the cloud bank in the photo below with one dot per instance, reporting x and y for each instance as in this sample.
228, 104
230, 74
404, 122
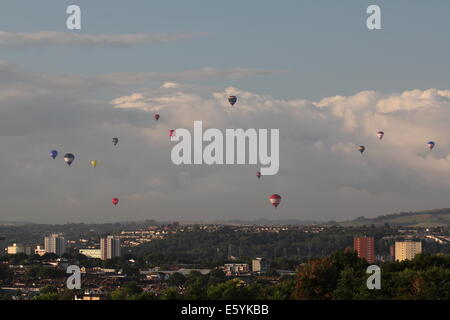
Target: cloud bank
322, 175
51, 38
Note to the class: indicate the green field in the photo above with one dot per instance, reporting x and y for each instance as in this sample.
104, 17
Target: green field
427, 219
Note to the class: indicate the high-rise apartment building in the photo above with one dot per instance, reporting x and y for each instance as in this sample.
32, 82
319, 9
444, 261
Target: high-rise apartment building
2, 245
109, 247
392, 252
407, 250
365, 246
55, 243
260, 265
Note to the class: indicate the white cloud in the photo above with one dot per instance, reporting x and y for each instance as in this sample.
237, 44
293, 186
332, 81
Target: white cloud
322, 175
51, 38
169, 85
320, 140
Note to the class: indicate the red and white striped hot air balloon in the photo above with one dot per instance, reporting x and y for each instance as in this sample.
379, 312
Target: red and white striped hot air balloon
275, 200
380, 134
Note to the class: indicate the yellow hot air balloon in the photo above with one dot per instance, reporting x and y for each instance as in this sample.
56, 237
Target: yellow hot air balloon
94, 163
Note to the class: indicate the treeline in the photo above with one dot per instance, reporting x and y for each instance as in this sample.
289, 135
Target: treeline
343, 276
340, 276
285, 249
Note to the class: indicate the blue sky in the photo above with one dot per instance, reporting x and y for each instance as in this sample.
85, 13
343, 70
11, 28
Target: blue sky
310, 68
324, 45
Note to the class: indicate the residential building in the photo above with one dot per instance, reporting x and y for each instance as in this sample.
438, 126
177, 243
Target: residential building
407, 250
109, 247
392, 252
19, 248
2, 245
55, 243
91, 253
39, 250
365, 248
260, 265
236, 268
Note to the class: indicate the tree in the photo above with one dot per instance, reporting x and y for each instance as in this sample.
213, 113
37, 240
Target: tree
195, 290
176, 279
350, 283
216, 276
48, 289
171, 294
231, 290
317, 280
5, 273
48, 293
272, 273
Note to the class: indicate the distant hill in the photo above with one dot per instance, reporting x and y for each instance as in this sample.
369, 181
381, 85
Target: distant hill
427, 218
15, 223
268, 222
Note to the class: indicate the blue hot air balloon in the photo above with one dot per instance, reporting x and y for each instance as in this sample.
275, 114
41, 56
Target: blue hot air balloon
53, 154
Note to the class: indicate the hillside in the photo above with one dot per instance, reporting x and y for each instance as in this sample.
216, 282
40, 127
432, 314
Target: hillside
427, 218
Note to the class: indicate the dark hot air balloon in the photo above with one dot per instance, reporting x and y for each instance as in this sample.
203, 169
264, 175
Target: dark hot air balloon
68, 158
232, 100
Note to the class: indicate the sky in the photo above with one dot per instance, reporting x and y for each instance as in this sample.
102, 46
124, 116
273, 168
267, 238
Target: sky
311, 69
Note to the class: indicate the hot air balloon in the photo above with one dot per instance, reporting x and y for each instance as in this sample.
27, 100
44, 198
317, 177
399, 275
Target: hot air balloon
275, 200
68, 158
361, 149
156, 116
53, 154
431, 145
115, 201
232, 100
115, 141
380, 134
172, 133
258, 174
94, 163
